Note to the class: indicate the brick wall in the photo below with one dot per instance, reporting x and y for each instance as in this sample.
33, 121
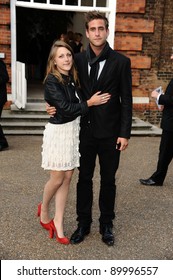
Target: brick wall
5, 37
144, 32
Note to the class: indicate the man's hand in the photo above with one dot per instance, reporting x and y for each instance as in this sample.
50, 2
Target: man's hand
122, 143
154, 94
50, 110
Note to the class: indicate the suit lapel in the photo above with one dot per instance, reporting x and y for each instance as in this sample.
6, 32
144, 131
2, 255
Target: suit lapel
102, 74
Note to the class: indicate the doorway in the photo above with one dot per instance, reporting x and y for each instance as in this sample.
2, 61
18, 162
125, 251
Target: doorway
34, 40
39, 23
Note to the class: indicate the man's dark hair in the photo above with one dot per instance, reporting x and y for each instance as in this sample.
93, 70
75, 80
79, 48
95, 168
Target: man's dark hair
89, 16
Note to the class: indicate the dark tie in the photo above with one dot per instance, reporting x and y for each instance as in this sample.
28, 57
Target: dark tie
94, 73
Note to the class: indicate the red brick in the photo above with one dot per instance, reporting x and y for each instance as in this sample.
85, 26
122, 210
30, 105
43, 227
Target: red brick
139, 92
131, 6
5, 36
7, 105
135, 77
129, 24
140, 61
5, 16
4, 2
127, 42
7, 51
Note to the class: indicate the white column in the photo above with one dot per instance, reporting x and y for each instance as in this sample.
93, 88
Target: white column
111, 4
13, 48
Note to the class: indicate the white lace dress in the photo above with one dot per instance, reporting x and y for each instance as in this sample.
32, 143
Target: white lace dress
60, 148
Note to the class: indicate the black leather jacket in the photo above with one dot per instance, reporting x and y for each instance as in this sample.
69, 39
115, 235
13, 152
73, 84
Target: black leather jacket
63, 98
3, 81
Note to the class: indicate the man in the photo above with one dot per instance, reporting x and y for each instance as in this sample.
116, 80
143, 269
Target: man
166, 143
105, 130
3, 98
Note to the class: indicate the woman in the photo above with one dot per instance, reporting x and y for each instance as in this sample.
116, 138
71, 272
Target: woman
60, 149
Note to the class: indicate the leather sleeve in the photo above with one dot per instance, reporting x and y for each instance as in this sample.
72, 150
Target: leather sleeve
57, 96
3, 73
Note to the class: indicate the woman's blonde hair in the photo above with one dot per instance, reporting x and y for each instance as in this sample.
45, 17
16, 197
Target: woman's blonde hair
51, 67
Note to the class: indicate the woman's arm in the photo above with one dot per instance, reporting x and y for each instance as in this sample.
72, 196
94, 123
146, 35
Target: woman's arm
55, 96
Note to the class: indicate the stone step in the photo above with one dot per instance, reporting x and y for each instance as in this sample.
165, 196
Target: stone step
137, 123
153, 132
23, 131
24, 123
20, 117
142, 128
30, 107
31, 121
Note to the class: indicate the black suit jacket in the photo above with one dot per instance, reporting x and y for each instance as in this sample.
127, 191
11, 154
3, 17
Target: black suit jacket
114, 118
3, 81
167, 100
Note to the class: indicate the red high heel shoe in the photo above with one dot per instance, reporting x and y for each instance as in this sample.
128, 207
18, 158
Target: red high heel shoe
45, 226
52, 231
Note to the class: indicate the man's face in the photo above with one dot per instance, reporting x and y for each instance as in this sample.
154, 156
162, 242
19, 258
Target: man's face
97, 32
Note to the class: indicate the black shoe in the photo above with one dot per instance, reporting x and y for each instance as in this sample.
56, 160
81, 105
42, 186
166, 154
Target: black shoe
3, 147
149, 182
79, 234
107, 235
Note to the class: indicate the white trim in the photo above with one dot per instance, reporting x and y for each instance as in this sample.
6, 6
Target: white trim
2, 55
9, 97
13, 49
141, 100
62, 8
111, 16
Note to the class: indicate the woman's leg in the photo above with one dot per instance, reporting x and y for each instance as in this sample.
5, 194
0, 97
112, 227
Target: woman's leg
60, 202
50, 189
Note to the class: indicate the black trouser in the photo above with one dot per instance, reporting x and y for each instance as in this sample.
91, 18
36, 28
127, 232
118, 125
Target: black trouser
108, 156
3, 140
165, 156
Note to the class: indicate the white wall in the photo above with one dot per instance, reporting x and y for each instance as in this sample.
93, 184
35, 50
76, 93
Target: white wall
79, 26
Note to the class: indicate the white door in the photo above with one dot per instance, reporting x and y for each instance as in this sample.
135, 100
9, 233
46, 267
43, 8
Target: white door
21, 86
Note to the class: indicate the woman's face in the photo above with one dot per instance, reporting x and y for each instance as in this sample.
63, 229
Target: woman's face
63, 60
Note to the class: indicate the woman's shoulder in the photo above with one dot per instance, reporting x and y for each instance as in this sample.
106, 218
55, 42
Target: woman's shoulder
52, 83
51, 77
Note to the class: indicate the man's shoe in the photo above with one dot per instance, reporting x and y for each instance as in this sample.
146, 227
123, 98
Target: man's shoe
3, 147
107, 235
149, 182
79, 234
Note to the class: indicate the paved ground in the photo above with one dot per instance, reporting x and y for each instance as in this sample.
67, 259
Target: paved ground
143, 224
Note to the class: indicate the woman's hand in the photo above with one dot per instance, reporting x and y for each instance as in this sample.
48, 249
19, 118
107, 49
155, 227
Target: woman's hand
50, 110
98, 99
